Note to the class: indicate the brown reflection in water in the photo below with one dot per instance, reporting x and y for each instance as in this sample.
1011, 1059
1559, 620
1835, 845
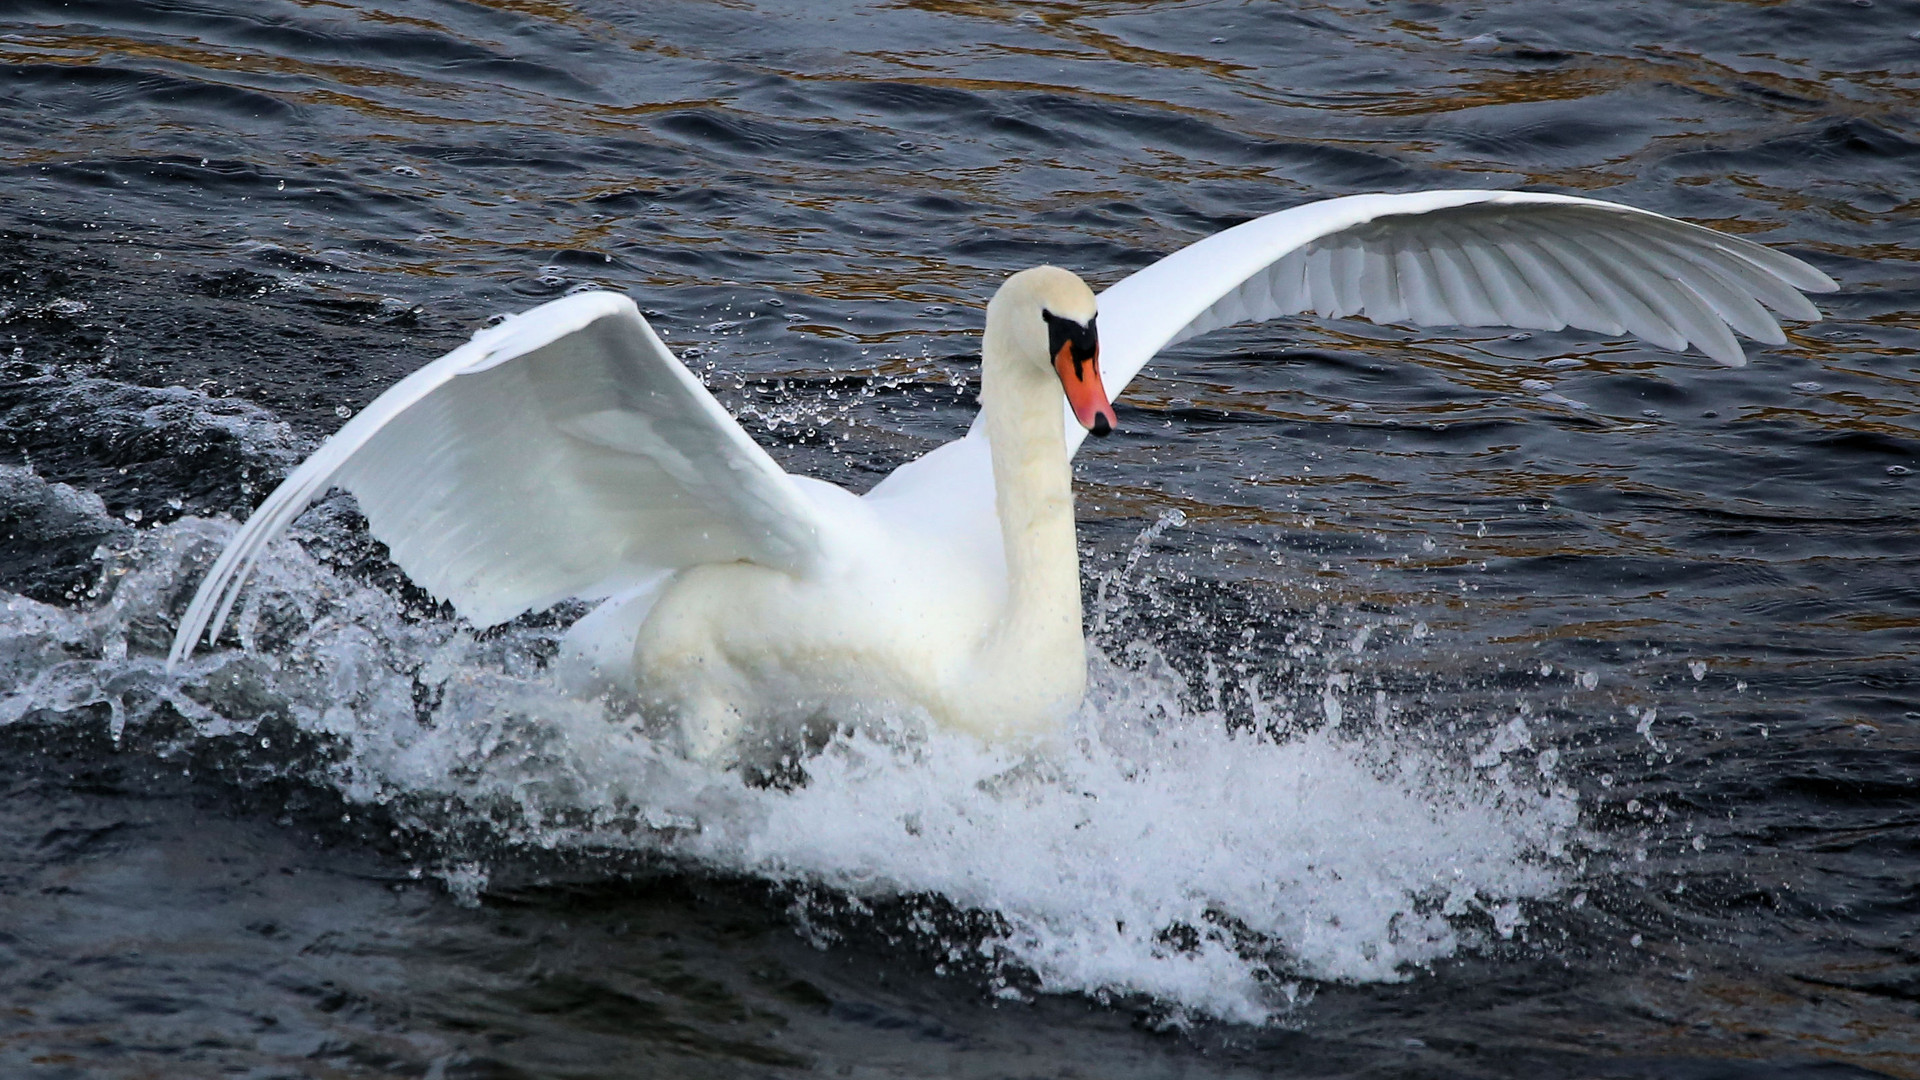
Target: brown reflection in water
1592, 629
1075, 22
1866, 622
173, 51
388, 18
1770, 1015
1507, 88
559, 11
900, 62
1878, 253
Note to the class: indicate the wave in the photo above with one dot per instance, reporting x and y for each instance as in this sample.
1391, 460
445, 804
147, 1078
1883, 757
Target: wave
1161, 847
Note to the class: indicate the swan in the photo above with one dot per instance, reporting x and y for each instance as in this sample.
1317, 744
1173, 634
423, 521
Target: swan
565, 453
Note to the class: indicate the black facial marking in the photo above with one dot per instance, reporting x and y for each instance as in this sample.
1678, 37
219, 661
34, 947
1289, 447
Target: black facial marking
1063, 331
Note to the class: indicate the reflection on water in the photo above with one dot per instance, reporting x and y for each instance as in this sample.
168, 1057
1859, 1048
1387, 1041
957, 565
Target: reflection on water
1531, 704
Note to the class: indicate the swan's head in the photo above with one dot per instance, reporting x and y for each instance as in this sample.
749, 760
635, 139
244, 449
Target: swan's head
1049, 313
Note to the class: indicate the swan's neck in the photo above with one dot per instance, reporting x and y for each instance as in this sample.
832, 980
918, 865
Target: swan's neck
1037, 640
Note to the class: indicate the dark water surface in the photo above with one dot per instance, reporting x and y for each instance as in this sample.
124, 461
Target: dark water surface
1579, 732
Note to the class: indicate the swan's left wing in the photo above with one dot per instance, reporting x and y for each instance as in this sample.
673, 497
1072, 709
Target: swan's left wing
563, 453
1462, 258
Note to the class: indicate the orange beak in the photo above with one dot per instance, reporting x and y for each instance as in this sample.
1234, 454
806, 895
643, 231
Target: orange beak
1086, 394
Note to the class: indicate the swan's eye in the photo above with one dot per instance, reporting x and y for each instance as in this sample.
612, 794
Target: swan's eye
1082, 339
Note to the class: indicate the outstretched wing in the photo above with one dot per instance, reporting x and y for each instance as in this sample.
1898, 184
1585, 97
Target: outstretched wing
1462, 258
562, 453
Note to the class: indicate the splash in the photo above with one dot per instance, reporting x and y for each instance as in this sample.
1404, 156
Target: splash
1154, 849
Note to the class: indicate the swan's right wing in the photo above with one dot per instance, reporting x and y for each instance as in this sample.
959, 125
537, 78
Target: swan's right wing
563, 453
1462, 258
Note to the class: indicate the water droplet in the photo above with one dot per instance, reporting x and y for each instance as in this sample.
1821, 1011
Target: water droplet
1589, 680
174, 503
1698, 668
265, 742
1635, 940
1898, 470
904, 144
1651, 414
1535, 385
1808, 387
1699, 843
1217, 41
342, 411
406, 170
1565, 362
133, 514
1521, 336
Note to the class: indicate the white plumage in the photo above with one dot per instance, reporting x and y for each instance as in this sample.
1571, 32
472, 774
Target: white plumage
566, 453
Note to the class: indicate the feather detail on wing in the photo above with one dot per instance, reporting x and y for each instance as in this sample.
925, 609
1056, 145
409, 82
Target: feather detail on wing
1462, 258
563, 453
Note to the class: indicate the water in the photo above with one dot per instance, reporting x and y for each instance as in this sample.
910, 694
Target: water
1466, 704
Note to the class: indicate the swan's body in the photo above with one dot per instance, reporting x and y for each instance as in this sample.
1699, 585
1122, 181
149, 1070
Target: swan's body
901, 607
566, 453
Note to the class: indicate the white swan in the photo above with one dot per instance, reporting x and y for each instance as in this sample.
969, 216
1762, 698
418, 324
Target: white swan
566, 453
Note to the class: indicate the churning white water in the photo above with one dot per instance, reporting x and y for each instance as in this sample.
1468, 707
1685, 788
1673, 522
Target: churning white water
1154, 849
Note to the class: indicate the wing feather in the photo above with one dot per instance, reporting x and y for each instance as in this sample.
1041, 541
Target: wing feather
1348, 271
1507, 286
1661, 284
1419, 284
1719, 282
564, 453
1462, 258
1467, 299
1380, 286
1616, 298
1564, 296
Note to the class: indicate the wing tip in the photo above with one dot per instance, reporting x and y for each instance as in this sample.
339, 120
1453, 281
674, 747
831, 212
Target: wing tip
1795, 271
528, 330
1734, 359
1818, 281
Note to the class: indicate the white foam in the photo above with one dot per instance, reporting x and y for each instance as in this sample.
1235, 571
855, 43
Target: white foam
1150, 851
